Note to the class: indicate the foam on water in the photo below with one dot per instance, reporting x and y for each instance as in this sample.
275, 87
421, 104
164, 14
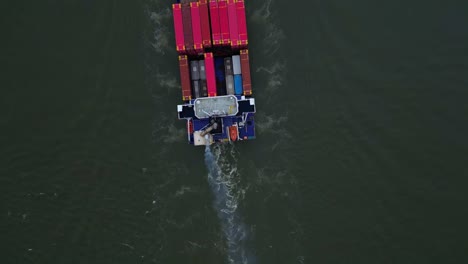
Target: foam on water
161, 33
226, 203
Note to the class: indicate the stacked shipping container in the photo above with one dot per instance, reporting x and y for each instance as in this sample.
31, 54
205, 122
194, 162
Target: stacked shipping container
178, 28
196, 26
210, 74
195, 76
233, 28
203, 26
185, 78
220, 76
204, 91
188, 32
241, 23
245, 70
236, 66
224, 22
229, 75
214, 19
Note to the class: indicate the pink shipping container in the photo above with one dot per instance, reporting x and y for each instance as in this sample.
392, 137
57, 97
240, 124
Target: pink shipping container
205, 23
196, 27
188, 33
210, 74
215, 28
224, 22
233, 27
241, 24
178, 28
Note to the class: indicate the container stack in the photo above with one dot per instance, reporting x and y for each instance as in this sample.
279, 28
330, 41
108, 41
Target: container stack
241, 24
178, 28
200, 24
245, 71
196, 27
214, 19
233, 27
195, 75
205, 23
203, 87
229, 75
187, 24
220, 76
185, 78
237, 74
210, 74
211, 39
224, 22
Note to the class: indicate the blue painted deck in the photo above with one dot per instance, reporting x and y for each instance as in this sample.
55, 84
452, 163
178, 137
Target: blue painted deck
246, 132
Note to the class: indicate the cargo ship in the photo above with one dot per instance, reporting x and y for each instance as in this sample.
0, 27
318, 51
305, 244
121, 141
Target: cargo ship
212, 45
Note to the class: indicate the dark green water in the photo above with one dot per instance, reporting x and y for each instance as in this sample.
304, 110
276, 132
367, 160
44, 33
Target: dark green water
361, 155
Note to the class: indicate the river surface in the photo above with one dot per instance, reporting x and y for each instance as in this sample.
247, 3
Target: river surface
361, 152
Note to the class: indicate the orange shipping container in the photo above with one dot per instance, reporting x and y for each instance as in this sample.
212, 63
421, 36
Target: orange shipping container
185, 78
245, 68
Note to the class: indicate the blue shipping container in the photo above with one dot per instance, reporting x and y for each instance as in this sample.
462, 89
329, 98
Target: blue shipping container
220, 77
238, 84
219, 69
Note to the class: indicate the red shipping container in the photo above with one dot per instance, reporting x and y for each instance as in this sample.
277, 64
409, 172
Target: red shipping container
224, 22
233, 28
210, 74
188, 35
185, 78
214, 17
241, 23
178, 28
196, 27
245, 70
205, 23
